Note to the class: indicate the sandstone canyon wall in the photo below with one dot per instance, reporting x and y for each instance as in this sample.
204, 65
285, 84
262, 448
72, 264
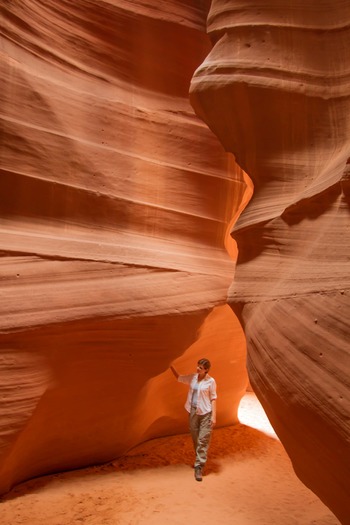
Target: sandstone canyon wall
115, 204
275, 89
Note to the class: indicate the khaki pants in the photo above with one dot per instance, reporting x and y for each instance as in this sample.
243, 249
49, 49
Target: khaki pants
200, 429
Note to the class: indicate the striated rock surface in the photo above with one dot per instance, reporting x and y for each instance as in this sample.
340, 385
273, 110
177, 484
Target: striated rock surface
275, 89
115, 205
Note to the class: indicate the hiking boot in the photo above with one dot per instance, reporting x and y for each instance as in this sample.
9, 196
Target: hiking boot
198, 473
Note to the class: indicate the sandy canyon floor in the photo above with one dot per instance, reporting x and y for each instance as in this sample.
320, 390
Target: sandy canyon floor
249, 481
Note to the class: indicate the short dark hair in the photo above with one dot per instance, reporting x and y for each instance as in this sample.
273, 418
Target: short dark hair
205, 363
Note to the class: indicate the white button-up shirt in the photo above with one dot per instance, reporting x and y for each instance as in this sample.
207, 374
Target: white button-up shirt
206, 392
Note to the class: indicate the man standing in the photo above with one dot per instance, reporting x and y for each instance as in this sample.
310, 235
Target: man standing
201, 406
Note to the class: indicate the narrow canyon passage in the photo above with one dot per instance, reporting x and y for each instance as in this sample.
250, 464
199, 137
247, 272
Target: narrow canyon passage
127, 131
249, 481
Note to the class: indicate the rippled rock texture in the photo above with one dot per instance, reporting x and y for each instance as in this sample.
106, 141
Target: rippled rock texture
115, 203
275, 89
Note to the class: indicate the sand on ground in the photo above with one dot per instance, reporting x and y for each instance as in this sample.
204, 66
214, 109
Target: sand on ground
249, 480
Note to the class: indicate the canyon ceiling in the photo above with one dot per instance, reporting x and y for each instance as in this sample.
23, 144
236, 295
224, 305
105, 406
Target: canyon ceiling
175, 184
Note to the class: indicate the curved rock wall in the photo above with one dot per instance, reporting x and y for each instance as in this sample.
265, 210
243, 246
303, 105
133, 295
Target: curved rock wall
275, 89
115, 204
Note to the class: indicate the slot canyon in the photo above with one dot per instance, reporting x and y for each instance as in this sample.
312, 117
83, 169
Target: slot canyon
175, 184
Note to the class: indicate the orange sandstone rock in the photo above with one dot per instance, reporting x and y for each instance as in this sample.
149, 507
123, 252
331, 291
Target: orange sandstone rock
275, 89
115, 205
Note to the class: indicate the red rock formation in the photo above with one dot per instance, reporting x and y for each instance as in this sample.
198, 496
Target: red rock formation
275, 89
115, 204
